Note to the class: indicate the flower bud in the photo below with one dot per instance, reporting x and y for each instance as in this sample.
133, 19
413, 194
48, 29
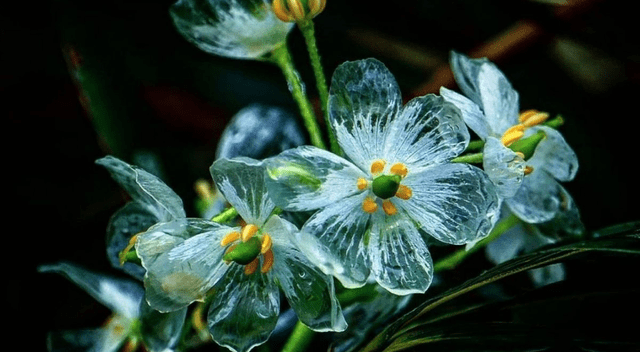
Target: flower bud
297, 10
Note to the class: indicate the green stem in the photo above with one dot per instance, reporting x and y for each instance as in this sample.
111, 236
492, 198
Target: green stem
225, 216
457, 257
299, 339
282, 57
475, 158
308, 31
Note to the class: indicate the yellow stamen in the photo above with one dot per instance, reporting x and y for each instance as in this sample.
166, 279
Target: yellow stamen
248, 232
388, 207
230, 237
296, 8
267, 262
316, 6
531, 118
512, 134
266, 243
251, 267
123, 255
197, 318
399, 169
369, 205
528, 169
377, 166
404, 192
203, 189
280, 11
362, 183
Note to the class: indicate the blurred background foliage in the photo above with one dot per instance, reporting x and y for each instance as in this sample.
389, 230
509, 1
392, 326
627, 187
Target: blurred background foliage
81, 79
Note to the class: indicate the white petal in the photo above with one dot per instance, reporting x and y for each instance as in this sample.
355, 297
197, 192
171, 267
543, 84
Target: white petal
465, 72
507, 246
334, 239
400, 260
503, 166
554, 155
538, 199
161, 331
363, 98
307, 178
471, 113
427, 131
500, 102
454, 203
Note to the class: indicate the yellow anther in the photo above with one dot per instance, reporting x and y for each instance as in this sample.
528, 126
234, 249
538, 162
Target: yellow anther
528, 169
267, 261
248, 232
520, 154
266, 243
369, 205
531, 118
197, 318
123, 255
203, 189
377, 166
388, 207
404, 192
296, 9
399, 169
230, 237
512, 134
251, 267
362, 183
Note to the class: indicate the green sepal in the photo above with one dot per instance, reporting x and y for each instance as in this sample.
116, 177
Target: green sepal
386, 186
528, 145
245, 252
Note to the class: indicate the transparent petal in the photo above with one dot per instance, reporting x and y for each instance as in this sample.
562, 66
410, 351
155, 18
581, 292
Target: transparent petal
241, 29
145, 188
466, 72
538, 198
454, 203
335, 239
260, 131
309, 291
503, 166
471, 113
548, 274
183, 260
500, 102
507, 246
554, 155
307, 178
241, 182
400, 260
364, 97
427, 131
567, 220
86, 340
244, 309
121, 296
161, 331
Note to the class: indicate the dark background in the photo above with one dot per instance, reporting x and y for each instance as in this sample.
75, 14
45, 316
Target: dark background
82, 79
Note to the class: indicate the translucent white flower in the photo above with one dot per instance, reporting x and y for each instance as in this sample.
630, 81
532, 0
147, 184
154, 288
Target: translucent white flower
132, 322
240, 268
491, 109
241, 29
394, 189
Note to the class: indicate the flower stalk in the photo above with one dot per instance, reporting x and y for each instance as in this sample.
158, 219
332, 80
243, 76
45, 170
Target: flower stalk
299, 339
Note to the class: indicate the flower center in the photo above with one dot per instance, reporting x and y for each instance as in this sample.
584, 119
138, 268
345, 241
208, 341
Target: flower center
526, 119
245, 249
385, 186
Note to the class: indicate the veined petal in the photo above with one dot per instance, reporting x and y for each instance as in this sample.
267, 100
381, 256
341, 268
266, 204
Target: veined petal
307, 178
309, 291
183, 259
145, 188
503, 166
230, 28
335, 239
244, 309
471, 113
364, 97
427, 131
554, 155
241, 181
500, 102
161, 331
454, 203
119, 295
538, 199
400, 260
465, 72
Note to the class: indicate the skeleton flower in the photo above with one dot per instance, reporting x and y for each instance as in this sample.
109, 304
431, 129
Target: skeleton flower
394, 191
240, 29
490, 109
132, 322
239, 268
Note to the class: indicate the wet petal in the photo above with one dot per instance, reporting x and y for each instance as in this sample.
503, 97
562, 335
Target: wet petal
244, 309
241, 181
466, 72
119, 295
500, 102
427, 131
183, 260
471, 113
454, 203
145, 188
503, 166
309, 178
335, 239
400, 260
364, 97
161, 331
538, 198
507, 246
230, 28
554, 155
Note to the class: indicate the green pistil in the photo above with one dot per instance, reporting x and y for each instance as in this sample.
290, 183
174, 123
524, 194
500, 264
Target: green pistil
245, 252
386, 186
528, 145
